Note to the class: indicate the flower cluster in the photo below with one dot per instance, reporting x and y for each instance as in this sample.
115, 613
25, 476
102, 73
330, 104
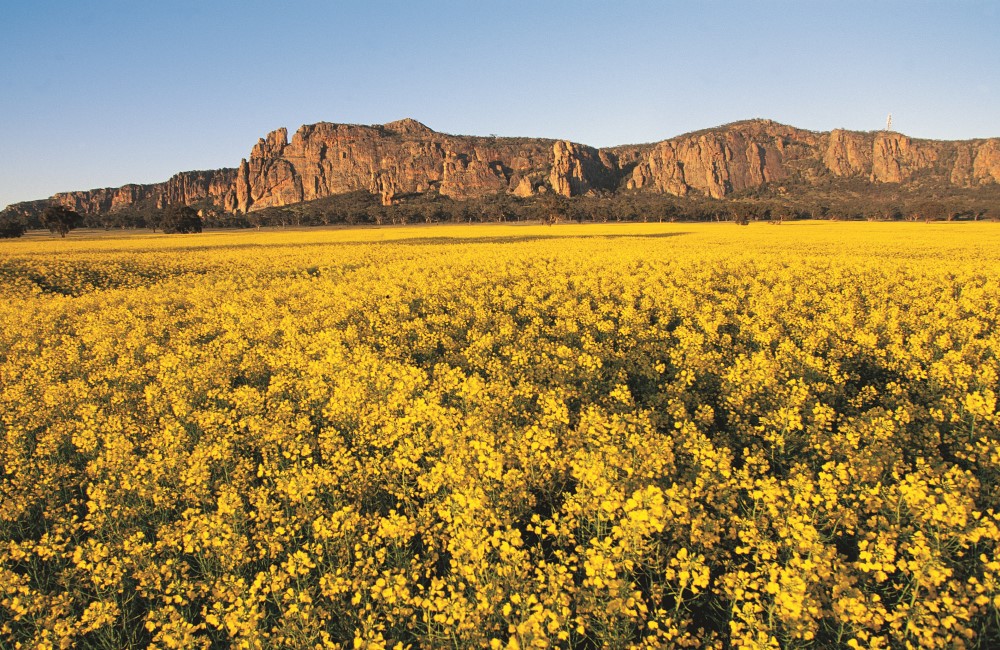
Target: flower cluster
503, 437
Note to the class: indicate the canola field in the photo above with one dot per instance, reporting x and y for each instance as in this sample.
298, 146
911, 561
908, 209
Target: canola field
600, 436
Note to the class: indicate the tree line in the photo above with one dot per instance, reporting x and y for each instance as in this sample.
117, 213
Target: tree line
363, 208
60, 220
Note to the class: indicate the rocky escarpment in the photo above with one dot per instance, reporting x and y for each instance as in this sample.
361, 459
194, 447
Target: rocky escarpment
213, 187
577, 169
406, 157
719, 162
747, 155
888, 157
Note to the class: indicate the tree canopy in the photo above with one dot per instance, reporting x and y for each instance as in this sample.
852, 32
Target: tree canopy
11, 228
60, 219
181, 219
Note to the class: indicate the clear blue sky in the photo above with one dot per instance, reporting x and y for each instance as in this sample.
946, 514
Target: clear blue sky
99, 93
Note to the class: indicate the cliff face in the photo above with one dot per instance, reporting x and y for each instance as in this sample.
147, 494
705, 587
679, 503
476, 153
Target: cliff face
746, 155
882, 157
986, 164
406, 157
401, 158
720, 162
847, 153
185, 188
578, 169
896, 158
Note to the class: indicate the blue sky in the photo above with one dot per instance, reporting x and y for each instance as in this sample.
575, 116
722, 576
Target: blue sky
99, 93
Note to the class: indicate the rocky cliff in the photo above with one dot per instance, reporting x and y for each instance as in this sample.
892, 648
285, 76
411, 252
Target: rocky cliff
390, 160
747, 155
720, 162
406, 157
213, 187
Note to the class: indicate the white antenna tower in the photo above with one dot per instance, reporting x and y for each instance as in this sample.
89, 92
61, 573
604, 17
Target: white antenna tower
888, 123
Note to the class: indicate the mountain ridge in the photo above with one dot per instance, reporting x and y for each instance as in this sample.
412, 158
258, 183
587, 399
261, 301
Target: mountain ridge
406, 157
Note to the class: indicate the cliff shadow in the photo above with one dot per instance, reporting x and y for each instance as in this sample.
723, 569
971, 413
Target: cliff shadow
409, 241
515, 239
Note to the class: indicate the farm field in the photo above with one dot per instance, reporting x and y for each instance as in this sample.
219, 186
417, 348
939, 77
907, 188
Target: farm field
593, 436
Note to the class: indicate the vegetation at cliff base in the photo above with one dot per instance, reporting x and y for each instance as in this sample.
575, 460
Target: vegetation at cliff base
11, 228
504, 436
179, 219
839, 200
60, 220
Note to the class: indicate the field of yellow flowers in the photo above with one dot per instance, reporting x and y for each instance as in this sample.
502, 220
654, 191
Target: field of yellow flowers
619, 436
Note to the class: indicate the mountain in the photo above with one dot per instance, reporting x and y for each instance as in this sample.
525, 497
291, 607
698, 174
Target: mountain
406, 158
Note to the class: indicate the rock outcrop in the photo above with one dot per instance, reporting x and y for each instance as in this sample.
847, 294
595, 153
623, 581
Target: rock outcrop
186, 188
746, 155
578, 169
847, 153
896, 158
406, 157
986, 166
390, 160
719, 162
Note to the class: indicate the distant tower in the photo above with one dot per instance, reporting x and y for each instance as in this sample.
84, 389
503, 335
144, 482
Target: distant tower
888, 123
